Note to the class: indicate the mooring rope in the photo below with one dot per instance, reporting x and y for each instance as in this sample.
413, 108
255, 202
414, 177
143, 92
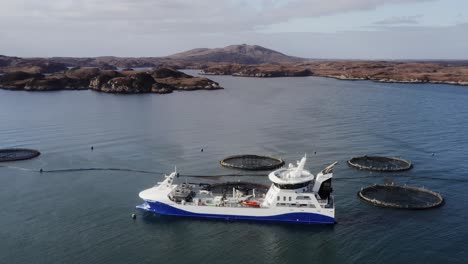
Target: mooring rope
228, 174
124, 169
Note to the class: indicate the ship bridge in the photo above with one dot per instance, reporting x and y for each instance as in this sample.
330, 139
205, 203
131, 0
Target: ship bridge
292, 177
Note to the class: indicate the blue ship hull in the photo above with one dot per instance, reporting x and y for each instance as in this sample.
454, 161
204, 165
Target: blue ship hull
299, 218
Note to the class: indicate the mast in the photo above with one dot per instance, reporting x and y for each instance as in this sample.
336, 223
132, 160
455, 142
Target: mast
300, 167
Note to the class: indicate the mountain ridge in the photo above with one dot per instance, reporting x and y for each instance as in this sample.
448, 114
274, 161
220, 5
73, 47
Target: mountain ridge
242, 54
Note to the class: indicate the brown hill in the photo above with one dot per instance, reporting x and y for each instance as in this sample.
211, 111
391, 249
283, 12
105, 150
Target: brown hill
242, 54
31, 65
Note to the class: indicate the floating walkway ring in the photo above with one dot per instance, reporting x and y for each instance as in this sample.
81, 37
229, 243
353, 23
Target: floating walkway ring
17, 154
401, 197
252, 162
379, 163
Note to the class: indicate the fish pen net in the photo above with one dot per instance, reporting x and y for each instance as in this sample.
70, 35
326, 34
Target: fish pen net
403, 197
252, 162
377, 163
17, 154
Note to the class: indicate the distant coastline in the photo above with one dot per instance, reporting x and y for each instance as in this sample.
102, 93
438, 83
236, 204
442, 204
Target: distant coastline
116, 75
379, 71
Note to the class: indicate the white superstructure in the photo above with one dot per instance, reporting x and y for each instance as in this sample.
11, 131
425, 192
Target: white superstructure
295, 195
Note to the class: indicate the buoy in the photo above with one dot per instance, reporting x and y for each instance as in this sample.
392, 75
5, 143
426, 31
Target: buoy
433, 153
92, 147
315, 152
201, 150
41, 170
133, 216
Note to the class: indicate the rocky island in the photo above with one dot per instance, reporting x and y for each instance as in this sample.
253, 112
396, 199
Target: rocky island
163, 80
262, 70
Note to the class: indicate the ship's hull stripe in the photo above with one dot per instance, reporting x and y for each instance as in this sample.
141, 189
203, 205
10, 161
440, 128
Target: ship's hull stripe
302, 218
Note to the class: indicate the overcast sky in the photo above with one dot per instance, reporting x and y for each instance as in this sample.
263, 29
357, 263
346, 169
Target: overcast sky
362, 29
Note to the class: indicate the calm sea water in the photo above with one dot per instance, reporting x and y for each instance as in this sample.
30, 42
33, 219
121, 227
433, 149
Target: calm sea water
84, 216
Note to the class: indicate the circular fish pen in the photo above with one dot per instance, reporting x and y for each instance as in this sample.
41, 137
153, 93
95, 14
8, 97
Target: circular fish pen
378, 163
402, 197
17, 154
252, 162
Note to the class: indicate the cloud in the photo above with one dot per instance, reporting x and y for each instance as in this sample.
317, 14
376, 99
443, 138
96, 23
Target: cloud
153, 16
448, 42
161, 27
400, 20
412, 42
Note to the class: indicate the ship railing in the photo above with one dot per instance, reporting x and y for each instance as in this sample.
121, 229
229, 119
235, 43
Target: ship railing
295, 205
326, 203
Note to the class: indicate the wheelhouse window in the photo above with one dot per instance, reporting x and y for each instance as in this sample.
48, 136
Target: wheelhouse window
292, 186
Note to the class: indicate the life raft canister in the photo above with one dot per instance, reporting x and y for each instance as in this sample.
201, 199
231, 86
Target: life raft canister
251, 203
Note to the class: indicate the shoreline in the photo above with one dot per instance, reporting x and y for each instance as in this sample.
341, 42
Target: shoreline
383, 72
344, 79
395, 81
